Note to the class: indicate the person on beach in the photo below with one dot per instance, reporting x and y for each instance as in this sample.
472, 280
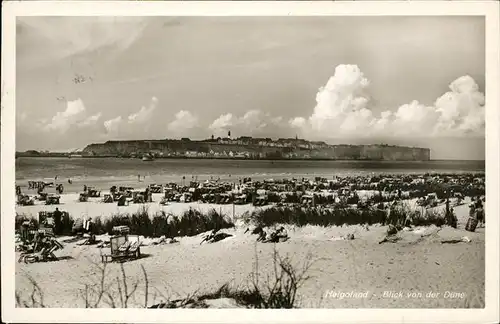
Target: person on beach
278, 235
88, 225
479, 211
210, 236
69, 181
262, 235
479, 203
57, 221
472, 209
450, 218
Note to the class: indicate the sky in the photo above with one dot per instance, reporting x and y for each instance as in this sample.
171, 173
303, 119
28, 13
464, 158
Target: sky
416, 81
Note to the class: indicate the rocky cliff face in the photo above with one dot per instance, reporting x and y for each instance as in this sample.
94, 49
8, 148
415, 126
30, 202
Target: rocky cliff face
211, 149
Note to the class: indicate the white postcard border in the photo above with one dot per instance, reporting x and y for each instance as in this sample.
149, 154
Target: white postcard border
489, 9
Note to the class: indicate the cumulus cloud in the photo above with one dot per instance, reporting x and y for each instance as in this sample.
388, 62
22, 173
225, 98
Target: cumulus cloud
113, 125
135, 123
184, 123
461, 109
145, 123
343, 110
144, 114
223, 123
91, 120
75, 115
298, 122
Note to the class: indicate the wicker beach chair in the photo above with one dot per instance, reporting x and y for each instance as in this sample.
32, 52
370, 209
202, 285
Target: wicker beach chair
123, 247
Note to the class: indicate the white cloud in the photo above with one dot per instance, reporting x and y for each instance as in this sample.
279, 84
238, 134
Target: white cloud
461, 109
223, 123
299, 122
91, 120
183, 124
144, 114
342, 110
113, 125
74, 115
136, 123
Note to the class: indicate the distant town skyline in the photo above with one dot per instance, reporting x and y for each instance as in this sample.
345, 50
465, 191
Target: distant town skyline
410, 81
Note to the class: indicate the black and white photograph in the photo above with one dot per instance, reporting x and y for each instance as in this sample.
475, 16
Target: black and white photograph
250, 162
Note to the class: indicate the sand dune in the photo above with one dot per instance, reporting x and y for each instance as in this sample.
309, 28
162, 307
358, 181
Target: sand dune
414, 264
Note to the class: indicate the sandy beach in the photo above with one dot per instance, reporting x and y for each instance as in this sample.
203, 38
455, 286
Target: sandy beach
386, 273
95, 208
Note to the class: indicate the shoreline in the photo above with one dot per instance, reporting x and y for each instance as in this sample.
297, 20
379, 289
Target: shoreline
67, 155
216, 158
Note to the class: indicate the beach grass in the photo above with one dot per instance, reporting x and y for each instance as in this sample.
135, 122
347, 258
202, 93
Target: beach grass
339, 216
193, 222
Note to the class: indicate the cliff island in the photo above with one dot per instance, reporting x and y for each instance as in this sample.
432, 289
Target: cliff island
246, 147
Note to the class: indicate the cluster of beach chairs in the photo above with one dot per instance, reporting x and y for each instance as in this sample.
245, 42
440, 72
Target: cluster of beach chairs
24, 199
36, 244
48, 199
430, 189
122, 195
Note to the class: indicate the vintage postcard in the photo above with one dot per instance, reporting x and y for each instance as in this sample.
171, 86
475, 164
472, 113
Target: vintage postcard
220, 162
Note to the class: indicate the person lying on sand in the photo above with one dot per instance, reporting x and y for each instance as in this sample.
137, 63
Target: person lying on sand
279, 235
215, 236
258, 231
262, 236
210, 236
